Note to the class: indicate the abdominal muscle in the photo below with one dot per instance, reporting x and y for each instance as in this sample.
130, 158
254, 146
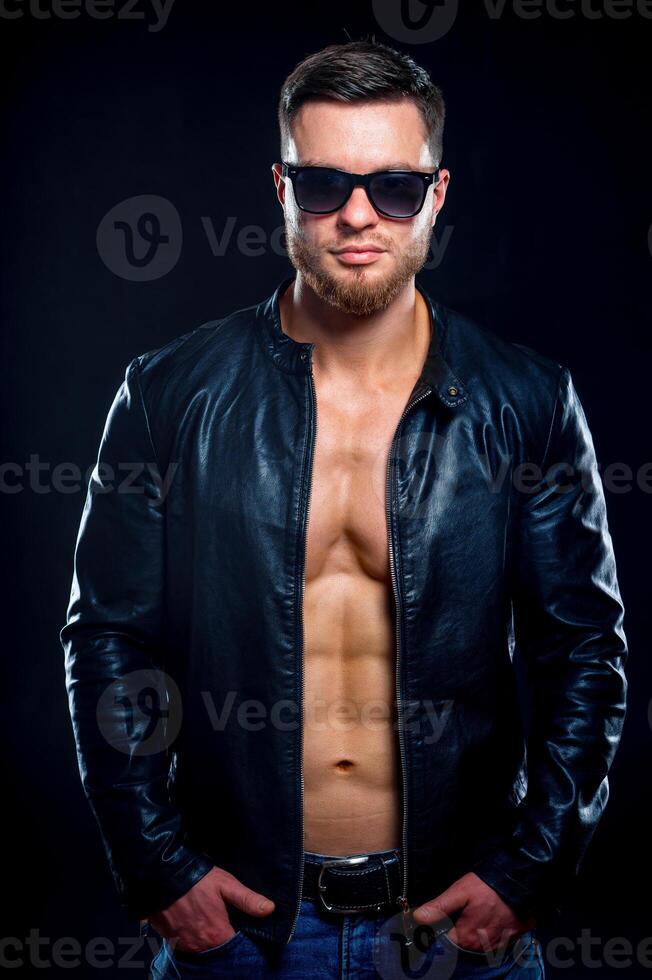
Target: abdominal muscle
351, 765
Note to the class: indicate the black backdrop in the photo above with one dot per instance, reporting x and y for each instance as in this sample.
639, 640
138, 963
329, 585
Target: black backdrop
545, 238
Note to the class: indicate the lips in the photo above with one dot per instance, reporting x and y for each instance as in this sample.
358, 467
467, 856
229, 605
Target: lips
360, 248
359, 254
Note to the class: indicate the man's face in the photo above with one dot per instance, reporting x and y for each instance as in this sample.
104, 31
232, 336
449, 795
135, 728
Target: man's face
359, 138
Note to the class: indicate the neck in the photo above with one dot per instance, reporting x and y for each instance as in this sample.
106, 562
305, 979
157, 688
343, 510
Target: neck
368, 350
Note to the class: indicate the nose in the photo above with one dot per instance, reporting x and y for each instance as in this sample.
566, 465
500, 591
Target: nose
358, 212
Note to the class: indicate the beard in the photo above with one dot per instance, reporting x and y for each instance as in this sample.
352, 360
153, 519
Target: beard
356, 291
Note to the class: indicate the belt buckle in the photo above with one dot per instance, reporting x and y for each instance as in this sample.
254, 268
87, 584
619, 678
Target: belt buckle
335, 862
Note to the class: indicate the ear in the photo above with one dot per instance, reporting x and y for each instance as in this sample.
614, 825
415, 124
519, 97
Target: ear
279, 182
439, 193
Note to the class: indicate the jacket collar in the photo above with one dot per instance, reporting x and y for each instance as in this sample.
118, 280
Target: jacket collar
294, 357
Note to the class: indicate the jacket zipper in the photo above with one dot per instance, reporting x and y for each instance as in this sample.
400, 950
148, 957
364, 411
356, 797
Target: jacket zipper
313, 423
402, 899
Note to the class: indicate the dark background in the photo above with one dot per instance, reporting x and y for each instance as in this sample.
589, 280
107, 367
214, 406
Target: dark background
548, 212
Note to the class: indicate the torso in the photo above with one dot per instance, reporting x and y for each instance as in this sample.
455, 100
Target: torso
351, 760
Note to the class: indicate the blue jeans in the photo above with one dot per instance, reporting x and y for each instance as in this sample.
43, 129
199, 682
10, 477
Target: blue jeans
333, 946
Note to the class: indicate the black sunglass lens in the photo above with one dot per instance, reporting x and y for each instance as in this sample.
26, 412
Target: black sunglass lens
399, 195
319, 189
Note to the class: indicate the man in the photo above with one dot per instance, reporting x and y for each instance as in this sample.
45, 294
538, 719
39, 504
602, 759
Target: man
352, 514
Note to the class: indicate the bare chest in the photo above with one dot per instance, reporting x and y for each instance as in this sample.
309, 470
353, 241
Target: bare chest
347, 529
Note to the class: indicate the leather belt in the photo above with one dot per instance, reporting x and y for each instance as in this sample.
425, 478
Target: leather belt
356, 883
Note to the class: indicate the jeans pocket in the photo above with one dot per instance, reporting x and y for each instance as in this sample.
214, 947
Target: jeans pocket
445, 938
513, 950
202, 955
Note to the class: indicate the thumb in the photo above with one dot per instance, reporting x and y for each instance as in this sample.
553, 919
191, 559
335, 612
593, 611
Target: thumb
440, 907
249, 901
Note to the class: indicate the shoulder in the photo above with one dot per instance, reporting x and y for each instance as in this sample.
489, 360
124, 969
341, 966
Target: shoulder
508, 381
207, 354
484, 357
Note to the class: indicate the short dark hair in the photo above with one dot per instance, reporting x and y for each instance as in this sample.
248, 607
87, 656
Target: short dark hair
362, 71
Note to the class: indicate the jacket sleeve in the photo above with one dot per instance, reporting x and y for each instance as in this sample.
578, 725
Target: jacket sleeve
122, 715
568, 620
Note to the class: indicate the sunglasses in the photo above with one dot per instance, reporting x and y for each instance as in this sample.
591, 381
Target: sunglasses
394, 193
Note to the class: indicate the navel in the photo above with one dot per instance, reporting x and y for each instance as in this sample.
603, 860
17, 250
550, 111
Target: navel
344, 765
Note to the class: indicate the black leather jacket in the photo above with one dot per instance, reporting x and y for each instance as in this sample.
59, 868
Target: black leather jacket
188, 577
